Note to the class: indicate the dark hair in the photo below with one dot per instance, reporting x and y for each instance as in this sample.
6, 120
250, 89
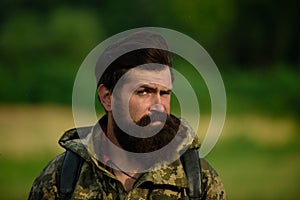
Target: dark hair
156, 52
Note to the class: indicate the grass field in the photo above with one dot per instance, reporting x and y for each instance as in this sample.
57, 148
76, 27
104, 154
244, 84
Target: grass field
257, 156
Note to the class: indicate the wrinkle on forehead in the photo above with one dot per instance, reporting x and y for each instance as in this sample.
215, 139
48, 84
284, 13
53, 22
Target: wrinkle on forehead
139, 76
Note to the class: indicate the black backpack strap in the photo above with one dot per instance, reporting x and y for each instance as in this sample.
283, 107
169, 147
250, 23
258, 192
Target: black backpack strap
69, 173
192, 167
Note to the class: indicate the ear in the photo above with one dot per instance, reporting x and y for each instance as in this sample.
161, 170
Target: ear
105, 97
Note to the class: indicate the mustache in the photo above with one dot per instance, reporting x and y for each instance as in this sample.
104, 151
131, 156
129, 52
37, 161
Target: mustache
153, 117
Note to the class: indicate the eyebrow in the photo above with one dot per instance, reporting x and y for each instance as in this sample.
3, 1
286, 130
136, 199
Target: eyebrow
150, 87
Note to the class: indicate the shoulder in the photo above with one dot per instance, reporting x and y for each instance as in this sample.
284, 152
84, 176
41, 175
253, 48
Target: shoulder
214, 188
44, 186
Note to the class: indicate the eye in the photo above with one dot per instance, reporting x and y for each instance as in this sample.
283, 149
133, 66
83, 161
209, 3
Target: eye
166, 92
142, 92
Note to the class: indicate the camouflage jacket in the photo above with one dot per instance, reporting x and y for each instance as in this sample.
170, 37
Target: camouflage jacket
96, 182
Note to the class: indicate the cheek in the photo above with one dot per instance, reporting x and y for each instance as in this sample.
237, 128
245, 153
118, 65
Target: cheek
166, 104
137, 109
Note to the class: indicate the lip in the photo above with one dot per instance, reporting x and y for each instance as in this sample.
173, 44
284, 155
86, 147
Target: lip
156, 123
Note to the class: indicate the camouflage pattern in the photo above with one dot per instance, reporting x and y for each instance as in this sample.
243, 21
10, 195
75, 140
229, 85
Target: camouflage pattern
95, 182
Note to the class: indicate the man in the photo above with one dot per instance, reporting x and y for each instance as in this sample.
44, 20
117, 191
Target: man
117, 153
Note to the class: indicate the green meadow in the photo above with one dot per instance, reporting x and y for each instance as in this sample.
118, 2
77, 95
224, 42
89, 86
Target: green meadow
257, 154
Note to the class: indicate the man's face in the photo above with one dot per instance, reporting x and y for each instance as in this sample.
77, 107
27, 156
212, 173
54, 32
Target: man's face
153, 94
145, 92
143, 101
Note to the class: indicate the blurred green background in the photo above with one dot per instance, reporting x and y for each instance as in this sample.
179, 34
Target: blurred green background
255, 44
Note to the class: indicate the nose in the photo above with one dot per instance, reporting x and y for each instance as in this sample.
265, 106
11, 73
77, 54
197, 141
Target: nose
157, 102
157, 107
156, 98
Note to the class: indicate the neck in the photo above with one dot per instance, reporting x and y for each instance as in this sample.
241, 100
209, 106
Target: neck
110, 131
126, 178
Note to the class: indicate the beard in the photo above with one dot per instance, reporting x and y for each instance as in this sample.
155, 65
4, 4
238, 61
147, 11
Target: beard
164, 136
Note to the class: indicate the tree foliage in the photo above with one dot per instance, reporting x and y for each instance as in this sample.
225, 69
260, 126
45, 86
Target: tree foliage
44, 42
243, 33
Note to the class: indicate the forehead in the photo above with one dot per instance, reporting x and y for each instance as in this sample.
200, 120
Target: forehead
139, 76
